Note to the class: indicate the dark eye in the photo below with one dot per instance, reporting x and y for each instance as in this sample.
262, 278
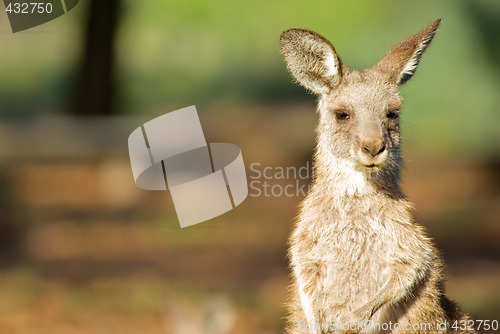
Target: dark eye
392, 115
342, 116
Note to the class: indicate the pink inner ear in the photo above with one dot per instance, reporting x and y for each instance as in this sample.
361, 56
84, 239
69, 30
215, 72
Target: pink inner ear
331, 65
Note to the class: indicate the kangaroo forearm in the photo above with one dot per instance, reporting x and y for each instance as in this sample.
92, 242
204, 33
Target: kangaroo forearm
396, 289
310, 300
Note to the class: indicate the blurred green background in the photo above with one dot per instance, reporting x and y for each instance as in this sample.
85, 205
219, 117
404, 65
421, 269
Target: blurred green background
226, 52
83, 250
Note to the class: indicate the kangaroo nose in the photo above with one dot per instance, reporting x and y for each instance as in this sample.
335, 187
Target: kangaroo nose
373, 147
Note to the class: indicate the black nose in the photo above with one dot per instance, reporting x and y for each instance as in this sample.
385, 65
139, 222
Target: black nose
373, 147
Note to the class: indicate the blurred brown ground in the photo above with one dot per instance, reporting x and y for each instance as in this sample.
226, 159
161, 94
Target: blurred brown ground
95, 254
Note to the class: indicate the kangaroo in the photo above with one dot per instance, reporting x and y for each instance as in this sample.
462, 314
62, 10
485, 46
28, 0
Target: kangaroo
359, 262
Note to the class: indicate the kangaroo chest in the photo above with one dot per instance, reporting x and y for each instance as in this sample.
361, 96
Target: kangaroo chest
356, 248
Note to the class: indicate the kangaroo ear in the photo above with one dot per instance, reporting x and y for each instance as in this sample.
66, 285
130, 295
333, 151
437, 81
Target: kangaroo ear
311, 59
402, 60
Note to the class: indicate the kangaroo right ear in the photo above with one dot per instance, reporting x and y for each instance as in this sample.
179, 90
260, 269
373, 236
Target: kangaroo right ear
311, 59
400, 63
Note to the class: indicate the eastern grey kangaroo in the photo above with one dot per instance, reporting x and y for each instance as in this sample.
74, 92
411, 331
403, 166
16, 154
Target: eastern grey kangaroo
360, 264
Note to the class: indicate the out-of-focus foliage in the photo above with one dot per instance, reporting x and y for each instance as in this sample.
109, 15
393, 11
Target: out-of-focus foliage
219, 52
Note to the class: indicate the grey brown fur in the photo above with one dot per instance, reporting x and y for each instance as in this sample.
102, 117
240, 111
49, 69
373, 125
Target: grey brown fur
356, 254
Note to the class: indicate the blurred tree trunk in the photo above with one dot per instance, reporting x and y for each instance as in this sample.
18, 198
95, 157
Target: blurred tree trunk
11, 227
95, 88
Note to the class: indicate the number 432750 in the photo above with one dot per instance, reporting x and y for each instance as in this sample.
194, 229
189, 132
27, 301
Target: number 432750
29, 8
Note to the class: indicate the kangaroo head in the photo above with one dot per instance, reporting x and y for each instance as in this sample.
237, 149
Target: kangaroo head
359, 110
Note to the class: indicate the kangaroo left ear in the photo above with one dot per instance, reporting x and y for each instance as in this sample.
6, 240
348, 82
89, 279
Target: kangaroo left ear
402, 60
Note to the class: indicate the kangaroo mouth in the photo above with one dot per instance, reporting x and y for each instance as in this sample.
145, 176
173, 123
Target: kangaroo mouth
373, 168
368, 167
372, 163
